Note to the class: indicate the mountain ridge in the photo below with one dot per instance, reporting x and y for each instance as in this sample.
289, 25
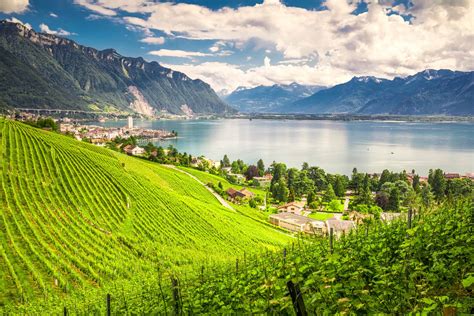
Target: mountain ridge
429, 92
94, 78
267, 98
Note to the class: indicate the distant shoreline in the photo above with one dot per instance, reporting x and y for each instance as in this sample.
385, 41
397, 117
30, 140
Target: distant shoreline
350, 117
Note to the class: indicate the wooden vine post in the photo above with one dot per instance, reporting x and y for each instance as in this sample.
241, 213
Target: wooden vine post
331, 240
297, 298
177, 305
108, 305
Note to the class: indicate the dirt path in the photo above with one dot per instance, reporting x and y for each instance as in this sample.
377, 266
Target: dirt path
217, 196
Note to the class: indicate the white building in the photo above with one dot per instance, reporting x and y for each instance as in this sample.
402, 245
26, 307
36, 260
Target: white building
130, 122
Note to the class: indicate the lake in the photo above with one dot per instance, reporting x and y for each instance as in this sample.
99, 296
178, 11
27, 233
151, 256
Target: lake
336, 146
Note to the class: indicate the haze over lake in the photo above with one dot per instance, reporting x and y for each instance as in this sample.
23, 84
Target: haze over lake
336, 146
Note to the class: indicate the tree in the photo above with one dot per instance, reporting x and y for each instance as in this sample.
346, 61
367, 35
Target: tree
335, 206
291, 196
305, 166
292, 176
280, 191
252, 203
329, 195
251, 172
356, 180
427, 196
278, 172
261, 167
384, 177
438, 184
310, 198
339, 186
456, 188
225, 161
381, 199
318, 176
416, 183
235, 168
394, 200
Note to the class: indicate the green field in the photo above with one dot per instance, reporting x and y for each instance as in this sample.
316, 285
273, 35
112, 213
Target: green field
321, 216
76, 217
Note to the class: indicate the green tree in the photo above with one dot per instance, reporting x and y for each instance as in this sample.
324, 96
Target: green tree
261, 167
329, 195
280, 191
438, 184
310, 198
394, 200
416, 183
225, 161
427, 196
339, 186
356, 180
335, 206
384, 178
278, 172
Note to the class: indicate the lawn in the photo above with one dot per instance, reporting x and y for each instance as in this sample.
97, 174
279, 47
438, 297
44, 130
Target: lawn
321, 216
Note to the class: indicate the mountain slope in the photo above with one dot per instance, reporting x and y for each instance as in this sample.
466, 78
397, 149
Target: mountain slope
45, 71
75, 216
430, 92
268, 98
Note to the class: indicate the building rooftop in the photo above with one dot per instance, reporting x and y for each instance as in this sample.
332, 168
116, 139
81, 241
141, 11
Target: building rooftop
293, 218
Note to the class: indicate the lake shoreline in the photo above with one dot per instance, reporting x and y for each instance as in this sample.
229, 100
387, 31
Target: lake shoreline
350, 117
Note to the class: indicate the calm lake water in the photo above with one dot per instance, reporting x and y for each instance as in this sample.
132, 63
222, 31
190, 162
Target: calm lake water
336, 146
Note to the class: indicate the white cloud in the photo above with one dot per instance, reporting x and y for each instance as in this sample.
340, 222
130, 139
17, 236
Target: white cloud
60, 32
225, 77
15, 20
440, 35
11, 6
53, 15
153, 40
95, 7
177, 53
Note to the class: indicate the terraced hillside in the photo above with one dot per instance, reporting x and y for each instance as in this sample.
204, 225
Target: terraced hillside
75, 216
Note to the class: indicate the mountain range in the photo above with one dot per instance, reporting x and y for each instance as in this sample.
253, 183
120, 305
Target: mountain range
430, 92
39, 70
268, 98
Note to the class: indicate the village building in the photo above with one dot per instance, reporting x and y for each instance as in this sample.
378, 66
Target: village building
133, 150
389, 216
265, 180
242, 193
298, 223
470, 175
359, 218
296, 207
339, 226
449, 176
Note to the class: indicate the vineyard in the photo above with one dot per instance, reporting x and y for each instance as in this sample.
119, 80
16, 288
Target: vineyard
76, 218
85, 230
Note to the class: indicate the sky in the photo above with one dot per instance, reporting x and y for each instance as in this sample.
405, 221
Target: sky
245, 43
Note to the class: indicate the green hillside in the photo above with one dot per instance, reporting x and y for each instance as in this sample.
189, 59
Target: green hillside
75, 216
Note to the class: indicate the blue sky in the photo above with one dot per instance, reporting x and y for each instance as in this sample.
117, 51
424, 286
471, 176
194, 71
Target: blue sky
248, 43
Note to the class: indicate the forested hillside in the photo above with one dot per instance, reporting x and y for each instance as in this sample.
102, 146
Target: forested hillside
40, 70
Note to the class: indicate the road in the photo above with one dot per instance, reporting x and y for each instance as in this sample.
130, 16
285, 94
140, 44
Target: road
217, 196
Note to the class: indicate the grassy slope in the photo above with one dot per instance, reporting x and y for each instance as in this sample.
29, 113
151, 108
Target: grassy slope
76, 216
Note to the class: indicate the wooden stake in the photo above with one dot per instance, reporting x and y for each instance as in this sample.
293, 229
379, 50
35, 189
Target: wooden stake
297, 298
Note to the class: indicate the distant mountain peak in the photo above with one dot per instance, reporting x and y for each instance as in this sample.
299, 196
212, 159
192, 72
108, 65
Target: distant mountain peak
267, 98
367, 79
